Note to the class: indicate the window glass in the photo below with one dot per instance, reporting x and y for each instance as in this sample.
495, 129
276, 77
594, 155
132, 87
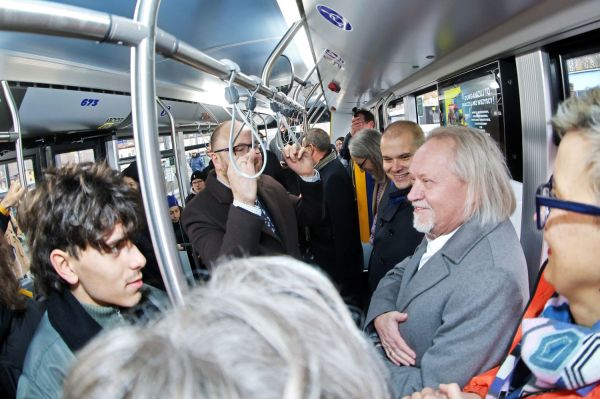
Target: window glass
74, 157
428, 111
396, 113
583, 73
9, 172
126, 147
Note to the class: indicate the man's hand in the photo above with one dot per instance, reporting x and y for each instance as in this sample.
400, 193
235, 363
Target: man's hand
14, 194
357, 124
396, 349
446, 391
243, 188
299, 160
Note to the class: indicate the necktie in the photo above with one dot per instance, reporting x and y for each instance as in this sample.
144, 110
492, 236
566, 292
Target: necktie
267, 218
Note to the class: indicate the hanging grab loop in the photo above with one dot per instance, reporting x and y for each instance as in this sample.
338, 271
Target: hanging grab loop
233, 98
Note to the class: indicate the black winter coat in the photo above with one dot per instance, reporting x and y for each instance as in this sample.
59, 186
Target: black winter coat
395, 237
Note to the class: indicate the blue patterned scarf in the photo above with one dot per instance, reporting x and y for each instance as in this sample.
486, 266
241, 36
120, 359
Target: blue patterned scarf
553, 354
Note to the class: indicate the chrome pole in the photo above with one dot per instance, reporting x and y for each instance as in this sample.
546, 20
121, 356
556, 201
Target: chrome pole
278, 50
14, 114
176, 150
145, 132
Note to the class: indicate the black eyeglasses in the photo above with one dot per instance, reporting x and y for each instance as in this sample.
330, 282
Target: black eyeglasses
360, 165
545, 199
238, 150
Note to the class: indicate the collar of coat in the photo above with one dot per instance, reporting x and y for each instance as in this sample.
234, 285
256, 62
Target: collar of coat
75, 326
467, 237
326, 160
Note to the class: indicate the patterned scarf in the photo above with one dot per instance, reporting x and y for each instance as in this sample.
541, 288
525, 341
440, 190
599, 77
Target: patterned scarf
326, 160
553, 354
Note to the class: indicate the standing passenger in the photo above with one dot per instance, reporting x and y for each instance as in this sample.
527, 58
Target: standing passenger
335, 242
79, 222
237, 216
197, 182
555, 352
468, 276
365, 149
395, 237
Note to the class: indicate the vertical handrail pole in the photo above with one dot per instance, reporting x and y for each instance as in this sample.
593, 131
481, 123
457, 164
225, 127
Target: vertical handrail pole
318, 117
386, 104
14, 114
176, 150
305, 78
145, 132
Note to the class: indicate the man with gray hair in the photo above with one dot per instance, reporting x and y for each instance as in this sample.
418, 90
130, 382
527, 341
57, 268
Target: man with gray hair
334, 243
442, 314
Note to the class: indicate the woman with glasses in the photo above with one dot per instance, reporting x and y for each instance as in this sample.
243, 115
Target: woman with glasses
556, 350
365, 151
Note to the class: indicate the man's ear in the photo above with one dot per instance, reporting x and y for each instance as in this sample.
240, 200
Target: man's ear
371, 124
62, 263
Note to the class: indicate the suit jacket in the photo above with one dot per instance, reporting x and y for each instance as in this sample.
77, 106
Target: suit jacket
335, 242
216, 228
460, 305
395, 237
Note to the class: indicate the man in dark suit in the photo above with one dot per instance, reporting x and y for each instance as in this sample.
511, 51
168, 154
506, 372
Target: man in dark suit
335, 242
236, 215
395, 237
442, 314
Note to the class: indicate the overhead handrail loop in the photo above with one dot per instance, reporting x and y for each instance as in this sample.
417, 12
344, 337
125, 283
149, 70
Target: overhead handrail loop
279, 49
232, 96
145, 128
176, 150
14, 113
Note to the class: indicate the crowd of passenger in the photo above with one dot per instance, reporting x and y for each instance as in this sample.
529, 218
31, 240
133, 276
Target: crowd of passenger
446, 302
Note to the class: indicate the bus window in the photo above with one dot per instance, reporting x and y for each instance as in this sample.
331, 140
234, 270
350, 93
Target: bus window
396, 112
9, 172
428, 111
583, 73
74, 157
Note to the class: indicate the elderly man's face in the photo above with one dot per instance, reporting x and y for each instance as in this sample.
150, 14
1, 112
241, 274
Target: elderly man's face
437, 195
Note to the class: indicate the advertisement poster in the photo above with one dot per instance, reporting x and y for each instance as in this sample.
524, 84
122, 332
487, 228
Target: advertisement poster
473, 103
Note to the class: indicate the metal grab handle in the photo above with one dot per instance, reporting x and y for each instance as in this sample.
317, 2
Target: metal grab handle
176, 149
14, 113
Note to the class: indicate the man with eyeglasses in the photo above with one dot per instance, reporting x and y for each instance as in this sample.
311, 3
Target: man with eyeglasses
395, 237
237, 215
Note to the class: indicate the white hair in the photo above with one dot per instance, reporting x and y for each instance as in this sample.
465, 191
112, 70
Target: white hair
581, 114
480, 164
263, 327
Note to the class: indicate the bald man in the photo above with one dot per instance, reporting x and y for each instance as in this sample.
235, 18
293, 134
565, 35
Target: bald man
237, 216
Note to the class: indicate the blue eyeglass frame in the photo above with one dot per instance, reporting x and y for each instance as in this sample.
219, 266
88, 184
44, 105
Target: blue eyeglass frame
552, 202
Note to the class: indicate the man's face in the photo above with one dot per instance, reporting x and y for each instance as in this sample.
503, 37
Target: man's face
198, 185
109, 278
438, 196
174, 214
338, 145
241, 147
358, 123
397, 152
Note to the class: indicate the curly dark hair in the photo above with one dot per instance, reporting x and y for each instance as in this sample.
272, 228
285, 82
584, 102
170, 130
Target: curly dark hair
72, 208
9, 285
